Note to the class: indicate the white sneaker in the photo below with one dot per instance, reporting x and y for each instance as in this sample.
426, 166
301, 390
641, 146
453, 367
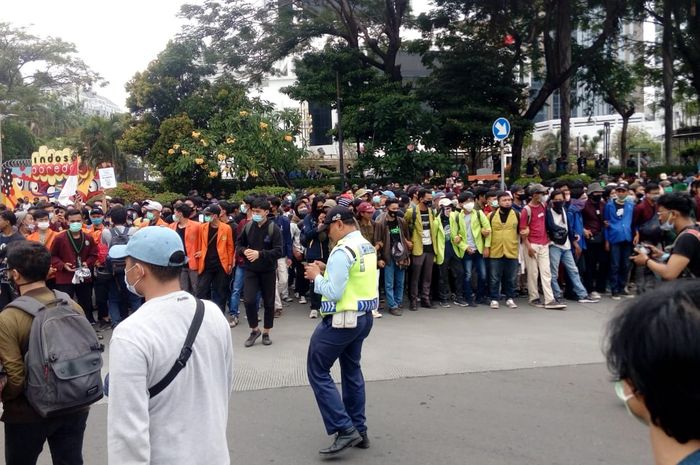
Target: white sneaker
313, 314
494, 304
376, 314
302, 300
595, 295
511, 304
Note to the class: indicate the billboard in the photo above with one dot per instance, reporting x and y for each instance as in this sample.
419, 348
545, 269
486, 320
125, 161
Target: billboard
44, 175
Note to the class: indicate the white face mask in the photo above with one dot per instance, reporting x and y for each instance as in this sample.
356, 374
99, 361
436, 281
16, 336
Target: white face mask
468, 206
43, 225
131, 287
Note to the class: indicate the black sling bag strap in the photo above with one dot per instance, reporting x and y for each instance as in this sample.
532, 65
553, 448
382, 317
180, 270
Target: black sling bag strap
185, 353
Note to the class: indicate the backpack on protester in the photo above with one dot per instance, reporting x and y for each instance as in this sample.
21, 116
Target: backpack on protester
64, 358
118, 238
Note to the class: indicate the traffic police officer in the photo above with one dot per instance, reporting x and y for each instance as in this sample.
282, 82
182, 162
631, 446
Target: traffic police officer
349, 293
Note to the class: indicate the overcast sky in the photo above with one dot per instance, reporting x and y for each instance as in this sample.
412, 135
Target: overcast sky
115, 38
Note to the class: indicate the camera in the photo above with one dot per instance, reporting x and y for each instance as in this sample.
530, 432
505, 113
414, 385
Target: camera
640, 248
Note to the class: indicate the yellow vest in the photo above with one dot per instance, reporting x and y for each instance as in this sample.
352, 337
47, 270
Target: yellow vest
361, 293
504, 236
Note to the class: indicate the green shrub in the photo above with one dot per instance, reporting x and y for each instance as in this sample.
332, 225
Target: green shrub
586, 179
167, 198
527, 180
260, 191
130, 192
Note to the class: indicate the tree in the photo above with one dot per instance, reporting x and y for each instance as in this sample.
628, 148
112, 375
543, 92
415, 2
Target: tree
534, 32
98, 139
249, 39
18, 142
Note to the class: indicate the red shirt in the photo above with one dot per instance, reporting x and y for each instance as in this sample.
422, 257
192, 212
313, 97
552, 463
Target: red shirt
62, 252
643, 212
538, 232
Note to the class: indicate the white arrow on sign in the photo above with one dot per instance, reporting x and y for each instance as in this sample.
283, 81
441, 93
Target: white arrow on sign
501, 129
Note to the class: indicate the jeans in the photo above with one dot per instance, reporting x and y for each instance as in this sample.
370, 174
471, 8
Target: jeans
393, 283
504, 271
120, 300
236, 291
327, 345
24, 441
474, 261
619, 265
557, 254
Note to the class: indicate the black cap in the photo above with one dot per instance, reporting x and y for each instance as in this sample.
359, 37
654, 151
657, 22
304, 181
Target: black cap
338, 213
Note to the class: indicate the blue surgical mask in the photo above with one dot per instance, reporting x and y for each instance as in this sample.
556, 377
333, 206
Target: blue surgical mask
149, 216
376, 199
257, 218
244, 209
96, 221
75, 227
207, 219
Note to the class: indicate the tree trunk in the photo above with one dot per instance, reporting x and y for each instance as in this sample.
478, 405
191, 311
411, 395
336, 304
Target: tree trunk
667, 56
516, 153
623, 139
474, 155
564, 63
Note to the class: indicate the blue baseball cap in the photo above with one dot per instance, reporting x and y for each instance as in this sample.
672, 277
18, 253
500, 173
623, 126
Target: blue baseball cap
152, 245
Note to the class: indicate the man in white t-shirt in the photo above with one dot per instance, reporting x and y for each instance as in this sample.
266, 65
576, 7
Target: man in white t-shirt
185, 423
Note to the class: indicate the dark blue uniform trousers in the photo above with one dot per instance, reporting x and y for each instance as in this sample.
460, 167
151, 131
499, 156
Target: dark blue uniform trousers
327, 345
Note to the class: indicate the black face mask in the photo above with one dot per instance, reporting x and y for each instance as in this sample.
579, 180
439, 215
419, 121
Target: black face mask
558, 206
640, 195
596, 198
427, 203
391, 213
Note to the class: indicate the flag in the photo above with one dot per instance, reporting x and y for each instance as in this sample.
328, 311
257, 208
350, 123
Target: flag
70, 187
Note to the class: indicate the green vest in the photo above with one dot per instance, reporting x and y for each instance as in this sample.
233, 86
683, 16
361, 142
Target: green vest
440, 238
361, 292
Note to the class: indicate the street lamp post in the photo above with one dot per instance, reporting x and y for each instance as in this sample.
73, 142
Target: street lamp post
2, 117
606, 144
341, 162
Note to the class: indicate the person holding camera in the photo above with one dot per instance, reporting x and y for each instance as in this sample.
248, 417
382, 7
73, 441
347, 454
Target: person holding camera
73, 255
683, 258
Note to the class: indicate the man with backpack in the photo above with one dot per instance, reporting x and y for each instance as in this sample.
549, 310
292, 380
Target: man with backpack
260, 243
171, 364
27, 426
119, 299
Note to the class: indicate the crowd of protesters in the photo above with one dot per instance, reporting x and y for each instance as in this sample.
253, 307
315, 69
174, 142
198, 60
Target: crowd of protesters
453, 244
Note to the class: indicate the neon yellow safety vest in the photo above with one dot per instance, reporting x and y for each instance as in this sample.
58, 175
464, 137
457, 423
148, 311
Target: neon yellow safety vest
361, 293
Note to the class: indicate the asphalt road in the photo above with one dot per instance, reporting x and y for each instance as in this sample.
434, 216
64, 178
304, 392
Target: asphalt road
455, 386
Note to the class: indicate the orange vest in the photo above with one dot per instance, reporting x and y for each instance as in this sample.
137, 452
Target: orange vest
48, 242
224, 245
192, 231
143, 222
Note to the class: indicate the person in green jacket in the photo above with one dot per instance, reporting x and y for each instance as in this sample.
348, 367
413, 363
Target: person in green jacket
422, 231
450, 245
476, 231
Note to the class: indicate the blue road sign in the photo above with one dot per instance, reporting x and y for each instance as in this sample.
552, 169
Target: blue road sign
501, 128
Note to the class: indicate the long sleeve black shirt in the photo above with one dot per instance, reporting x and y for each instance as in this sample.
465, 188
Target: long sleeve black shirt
257, 238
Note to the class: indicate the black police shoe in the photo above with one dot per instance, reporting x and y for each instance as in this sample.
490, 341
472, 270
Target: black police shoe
343, 440
364, 444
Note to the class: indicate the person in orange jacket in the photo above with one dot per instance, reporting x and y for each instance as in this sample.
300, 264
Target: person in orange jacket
44, 235
215, 257
189, 232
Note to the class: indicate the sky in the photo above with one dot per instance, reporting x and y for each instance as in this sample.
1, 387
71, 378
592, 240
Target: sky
116, 38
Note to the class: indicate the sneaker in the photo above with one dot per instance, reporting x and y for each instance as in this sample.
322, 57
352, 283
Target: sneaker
554, 305
266, 339
376, 314
444, 304
616, 296
313, 314
278, 312
627, 295
461, 303
537, 303
494, 304
589, 299
233, 321
511, 304
288, 299
594, 295
427, 304
472, 304
396, 311
254, 335
302, 300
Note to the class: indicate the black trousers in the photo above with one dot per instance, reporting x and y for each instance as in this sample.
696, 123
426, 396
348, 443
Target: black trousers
214, 279
266, 284
597, 259
24, 441
81, 293
301, 284
101, 294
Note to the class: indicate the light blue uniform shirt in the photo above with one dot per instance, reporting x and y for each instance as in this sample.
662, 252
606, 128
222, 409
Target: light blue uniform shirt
338, 268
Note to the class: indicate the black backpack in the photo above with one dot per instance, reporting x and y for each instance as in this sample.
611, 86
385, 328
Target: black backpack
118, 265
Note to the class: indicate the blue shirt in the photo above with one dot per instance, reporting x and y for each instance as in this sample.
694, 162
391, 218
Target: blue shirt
692, 459
338, 271
619, 218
